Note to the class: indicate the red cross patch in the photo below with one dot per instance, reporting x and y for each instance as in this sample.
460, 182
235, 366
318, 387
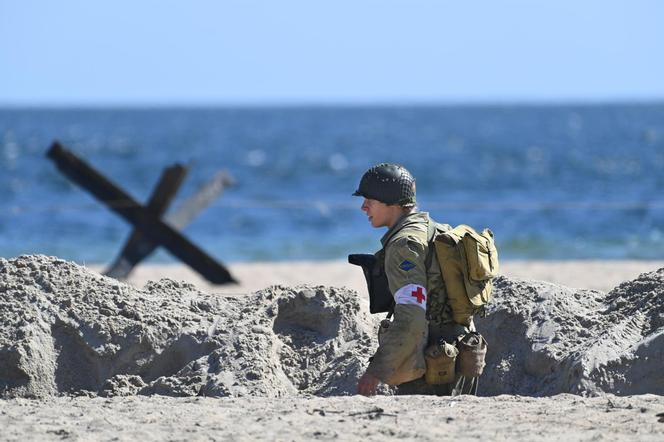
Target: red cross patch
418, 294
413, 294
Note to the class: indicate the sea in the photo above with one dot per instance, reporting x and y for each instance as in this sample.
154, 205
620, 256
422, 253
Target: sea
554, 181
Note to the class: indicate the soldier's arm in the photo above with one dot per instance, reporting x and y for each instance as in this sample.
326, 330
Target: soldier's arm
406, 274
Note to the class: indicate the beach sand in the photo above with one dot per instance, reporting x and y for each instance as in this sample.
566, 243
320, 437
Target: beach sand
596, 275
500, 418
504, 417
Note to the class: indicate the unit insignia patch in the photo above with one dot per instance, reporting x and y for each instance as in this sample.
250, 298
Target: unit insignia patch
406, 265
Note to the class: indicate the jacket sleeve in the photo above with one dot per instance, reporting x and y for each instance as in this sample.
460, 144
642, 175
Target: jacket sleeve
399, 357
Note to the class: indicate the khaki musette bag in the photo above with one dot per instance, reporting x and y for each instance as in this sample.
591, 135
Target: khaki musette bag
468, 261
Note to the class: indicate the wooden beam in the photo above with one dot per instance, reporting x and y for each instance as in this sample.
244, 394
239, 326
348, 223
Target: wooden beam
124, 205
195, 204
135, 252
137, 247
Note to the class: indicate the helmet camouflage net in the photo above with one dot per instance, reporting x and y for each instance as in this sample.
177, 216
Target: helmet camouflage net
391, 184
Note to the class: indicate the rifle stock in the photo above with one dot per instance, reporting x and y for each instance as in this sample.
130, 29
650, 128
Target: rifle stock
380, 297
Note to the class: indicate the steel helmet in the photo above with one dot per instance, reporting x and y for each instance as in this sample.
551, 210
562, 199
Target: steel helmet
391, 184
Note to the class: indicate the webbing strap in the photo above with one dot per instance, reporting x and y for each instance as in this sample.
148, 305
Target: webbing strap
431, 233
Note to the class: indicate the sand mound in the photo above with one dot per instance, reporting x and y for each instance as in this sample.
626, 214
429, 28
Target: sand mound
546, 339
67, 330
64, 329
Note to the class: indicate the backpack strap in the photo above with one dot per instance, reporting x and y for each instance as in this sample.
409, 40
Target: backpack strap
431, 236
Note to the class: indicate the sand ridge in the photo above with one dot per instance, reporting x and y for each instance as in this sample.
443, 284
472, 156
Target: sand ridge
548, 339
68, 330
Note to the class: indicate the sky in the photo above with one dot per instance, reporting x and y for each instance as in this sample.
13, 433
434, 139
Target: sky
206, 52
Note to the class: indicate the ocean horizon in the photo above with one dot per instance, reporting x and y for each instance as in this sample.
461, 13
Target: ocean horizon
554, 181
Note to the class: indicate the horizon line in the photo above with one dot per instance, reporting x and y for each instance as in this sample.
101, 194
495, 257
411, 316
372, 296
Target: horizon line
286, 104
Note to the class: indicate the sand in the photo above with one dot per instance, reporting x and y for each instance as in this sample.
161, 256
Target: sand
596, 275
499, 418
102, 359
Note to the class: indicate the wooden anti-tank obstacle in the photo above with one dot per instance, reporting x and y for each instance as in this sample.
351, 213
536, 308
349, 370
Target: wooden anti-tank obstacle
150, 231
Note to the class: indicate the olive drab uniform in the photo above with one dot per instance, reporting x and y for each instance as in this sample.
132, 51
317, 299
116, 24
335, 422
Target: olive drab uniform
421, 314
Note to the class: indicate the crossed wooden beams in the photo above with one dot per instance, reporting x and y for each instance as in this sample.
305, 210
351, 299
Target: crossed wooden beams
150, 231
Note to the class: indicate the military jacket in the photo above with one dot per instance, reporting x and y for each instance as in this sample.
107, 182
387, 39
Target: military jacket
417, 286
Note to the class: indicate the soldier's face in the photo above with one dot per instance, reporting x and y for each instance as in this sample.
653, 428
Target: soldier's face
380, 214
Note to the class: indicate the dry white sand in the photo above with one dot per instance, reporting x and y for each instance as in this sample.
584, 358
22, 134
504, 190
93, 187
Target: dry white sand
467, 418
596, 275
605, 417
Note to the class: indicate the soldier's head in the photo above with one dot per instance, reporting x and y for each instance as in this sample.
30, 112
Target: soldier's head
389, 193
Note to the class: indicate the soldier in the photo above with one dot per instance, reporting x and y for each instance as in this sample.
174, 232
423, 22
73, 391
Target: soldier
421, 313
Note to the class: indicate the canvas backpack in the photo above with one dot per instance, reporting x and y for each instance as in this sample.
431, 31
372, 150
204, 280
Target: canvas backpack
468, 262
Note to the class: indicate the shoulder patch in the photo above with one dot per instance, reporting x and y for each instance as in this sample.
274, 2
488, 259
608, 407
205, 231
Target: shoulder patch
406, 265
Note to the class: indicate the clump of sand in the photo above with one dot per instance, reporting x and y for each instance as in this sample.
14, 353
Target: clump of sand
67, 330
546, 339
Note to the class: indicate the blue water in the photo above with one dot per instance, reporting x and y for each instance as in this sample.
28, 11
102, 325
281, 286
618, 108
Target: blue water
553, 182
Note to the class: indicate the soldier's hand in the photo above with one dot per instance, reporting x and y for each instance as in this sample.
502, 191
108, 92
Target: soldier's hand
367, 385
